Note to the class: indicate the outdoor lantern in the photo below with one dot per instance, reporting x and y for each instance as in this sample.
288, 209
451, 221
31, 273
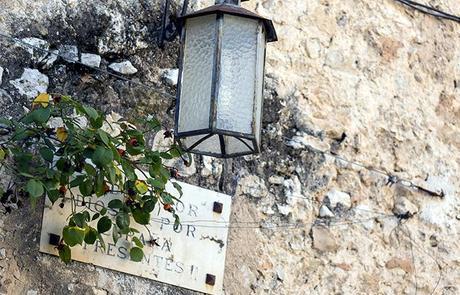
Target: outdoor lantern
221, 77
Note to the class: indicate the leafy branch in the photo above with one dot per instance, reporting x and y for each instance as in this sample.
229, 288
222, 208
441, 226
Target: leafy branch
61, 145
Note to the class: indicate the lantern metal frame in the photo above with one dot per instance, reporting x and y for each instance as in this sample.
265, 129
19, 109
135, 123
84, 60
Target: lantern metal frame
220, 10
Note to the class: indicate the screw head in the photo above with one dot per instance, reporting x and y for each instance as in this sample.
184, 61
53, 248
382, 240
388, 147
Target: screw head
218, 207
210, 279
54, 239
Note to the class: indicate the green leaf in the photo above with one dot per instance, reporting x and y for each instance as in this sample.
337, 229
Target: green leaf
122, 220
97, 123
156, 183
153, 124
99, 185
39, 116
166, 156
138, 242
95, 216
115, 204
129, 170
90, 169
112, 174
42, 115
2, 154
35, 188
86, 188
176, 222
6, 122
103, 136
115, 234
136, 254
77, 181
175, 151
91, 112
149, 205
90, 235
65, 253
141, 216
79, 219
104, 224
73, 235
99, 236
102, 156
47, 154
178, 188
167, 198
53, 195
164, 174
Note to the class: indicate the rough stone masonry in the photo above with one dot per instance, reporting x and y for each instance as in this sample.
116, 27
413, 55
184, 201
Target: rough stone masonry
371, 81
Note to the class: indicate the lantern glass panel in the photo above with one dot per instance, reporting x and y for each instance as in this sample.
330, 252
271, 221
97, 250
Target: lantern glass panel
210, 145
260, 71
235, 145
198, 62
235, 99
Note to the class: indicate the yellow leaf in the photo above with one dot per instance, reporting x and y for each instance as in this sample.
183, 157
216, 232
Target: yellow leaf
141, 186
42, 99
62, 134
117, 171
2, 154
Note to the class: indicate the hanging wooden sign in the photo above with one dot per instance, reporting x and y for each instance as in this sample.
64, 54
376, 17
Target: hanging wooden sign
191, 256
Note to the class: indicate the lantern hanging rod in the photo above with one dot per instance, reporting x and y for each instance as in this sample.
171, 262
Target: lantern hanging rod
170, 27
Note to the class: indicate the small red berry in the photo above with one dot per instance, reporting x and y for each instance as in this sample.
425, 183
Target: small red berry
62, 190
133, 142
106, 187
167, 207
121, 152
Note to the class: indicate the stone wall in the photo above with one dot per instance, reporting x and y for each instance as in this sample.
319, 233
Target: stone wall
370, 81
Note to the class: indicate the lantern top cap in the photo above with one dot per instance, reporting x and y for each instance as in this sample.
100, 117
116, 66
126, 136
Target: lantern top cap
238, 11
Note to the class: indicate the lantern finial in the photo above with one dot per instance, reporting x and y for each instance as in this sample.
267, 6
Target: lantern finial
235, 2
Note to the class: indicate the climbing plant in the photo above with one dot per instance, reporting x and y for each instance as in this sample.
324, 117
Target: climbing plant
61, 148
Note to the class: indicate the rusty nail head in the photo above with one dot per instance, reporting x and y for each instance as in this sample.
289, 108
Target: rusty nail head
218, 207
54, 239
210, 279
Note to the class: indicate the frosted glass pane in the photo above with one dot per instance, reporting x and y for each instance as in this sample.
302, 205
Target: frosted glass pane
260, 67
210, 145
235, 146
199, 52
191, 140
238, 71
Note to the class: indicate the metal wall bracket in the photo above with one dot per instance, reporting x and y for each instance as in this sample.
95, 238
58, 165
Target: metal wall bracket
170, 27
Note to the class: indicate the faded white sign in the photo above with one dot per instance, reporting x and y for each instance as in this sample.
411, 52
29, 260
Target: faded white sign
192, 256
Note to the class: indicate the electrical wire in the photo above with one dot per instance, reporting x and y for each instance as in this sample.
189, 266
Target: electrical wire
391, 177
429, 10
151, 87
238, 224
